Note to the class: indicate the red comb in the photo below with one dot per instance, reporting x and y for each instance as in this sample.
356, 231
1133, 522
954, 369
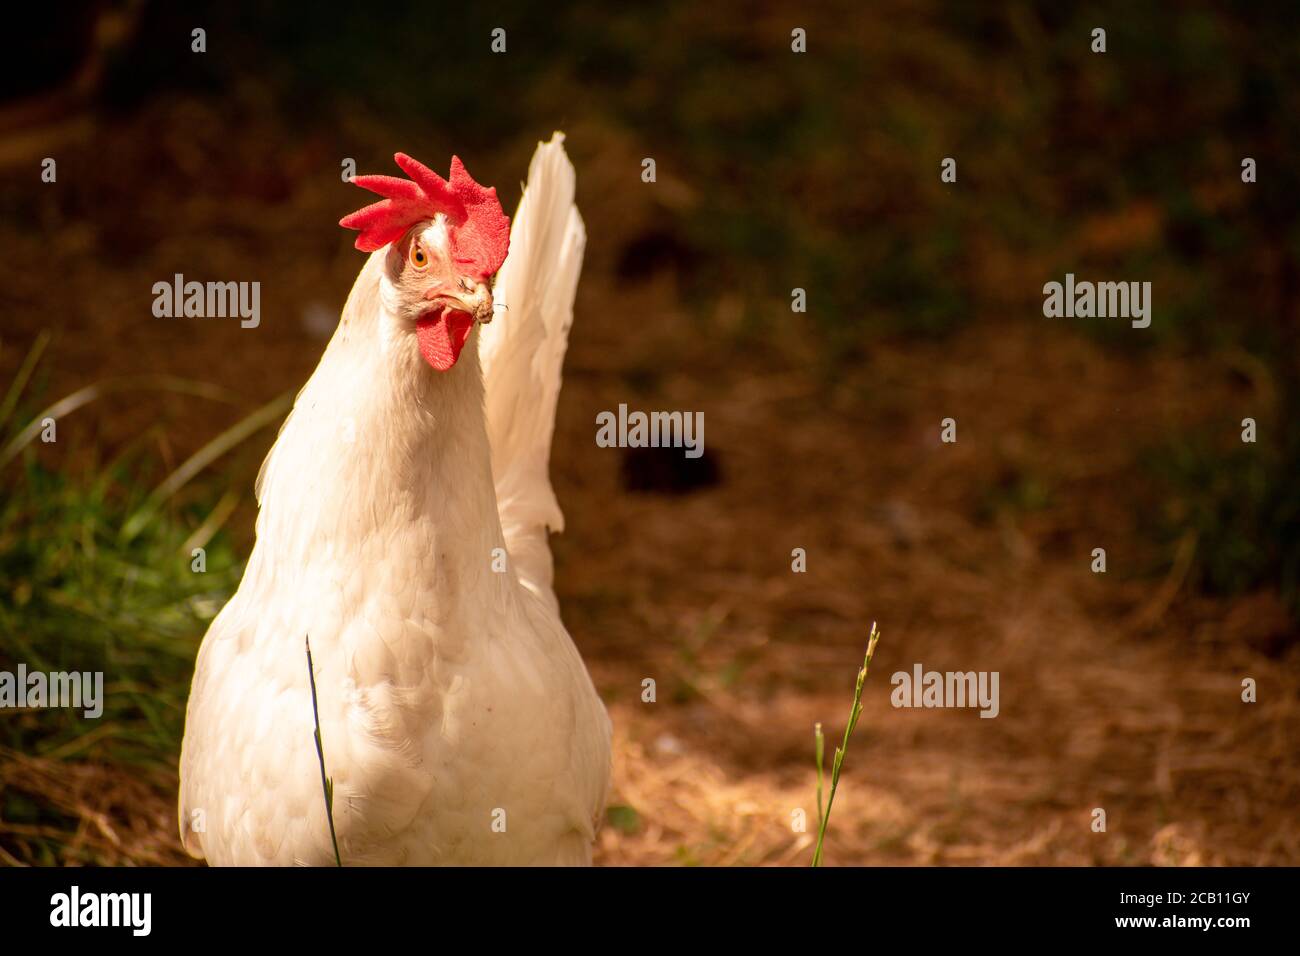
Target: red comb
479, 229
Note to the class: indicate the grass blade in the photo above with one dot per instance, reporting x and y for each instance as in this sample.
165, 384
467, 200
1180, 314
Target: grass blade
820, 739
326, 782
842, 749
205, 456
88, 394
24, 373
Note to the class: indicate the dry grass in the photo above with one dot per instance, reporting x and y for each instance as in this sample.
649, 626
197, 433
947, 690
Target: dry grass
123, 817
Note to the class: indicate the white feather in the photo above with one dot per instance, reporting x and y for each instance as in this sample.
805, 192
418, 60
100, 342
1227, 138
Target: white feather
522, 353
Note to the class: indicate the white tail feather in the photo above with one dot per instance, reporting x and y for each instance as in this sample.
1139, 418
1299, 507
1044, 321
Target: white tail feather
522, 352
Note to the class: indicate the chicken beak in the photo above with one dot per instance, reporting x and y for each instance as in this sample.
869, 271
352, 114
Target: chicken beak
482, 303
472, 298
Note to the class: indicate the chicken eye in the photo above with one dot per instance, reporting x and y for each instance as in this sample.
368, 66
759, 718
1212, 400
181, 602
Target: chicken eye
419, 258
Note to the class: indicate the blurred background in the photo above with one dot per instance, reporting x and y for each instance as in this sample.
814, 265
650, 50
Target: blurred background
775, 170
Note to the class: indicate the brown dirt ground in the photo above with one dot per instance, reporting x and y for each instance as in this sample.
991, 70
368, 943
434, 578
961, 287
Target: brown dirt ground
1119, 691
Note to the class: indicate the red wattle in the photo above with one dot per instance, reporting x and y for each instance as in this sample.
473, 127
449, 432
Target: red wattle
442, 336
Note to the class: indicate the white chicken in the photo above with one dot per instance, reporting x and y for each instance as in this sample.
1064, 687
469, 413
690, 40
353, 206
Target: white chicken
403, 526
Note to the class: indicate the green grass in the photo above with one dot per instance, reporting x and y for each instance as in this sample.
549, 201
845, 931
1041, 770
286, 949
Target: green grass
1242, 502
837, 764
96, 575
326, 781
76, 597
